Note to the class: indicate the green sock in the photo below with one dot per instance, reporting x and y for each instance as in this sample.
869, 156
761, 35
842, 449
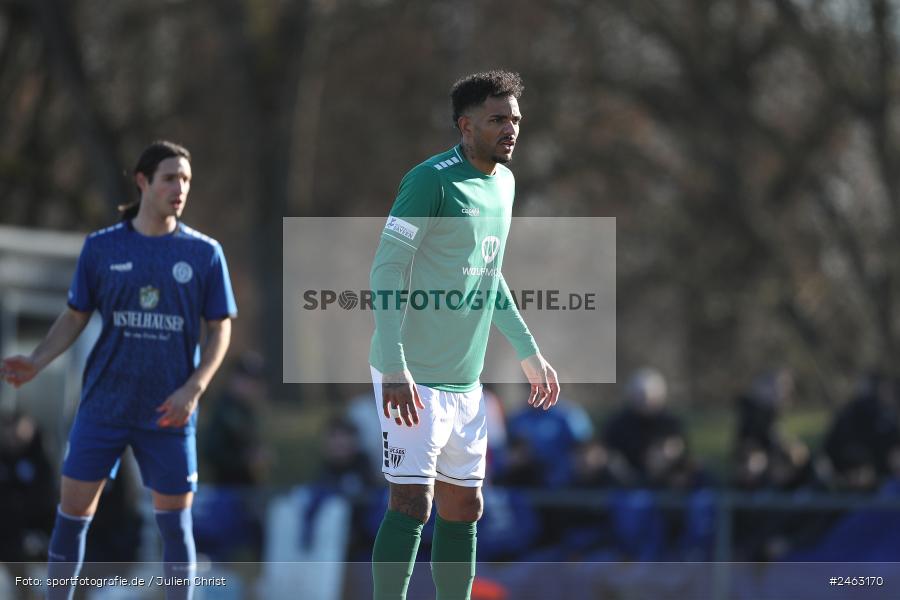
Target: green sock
394, 555
453, 559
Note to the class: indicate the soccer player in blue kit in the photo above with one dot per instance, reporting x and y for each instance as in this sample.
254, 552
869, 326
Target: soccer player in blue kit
154, 282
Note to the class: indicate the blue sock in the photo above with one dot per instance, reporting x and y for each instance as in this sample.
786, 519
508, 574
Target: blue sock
66, 553
179, 553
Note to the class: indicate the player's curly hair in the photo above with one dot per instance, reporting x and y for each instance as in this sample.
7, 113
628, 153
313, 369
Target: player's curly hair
149, 159
474, 89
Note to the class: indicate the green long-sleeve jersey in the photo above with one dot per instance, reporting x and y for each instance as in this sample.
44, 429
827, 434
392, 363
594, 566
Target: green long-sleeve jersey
437, 274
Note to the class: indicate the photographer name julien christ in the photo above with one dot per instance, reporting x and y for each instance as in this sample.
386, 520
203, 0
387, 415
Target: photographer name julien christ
196, 581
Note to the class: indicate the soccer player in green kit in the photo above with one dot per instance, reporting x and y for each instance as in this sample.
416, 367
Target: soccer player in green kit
439, 287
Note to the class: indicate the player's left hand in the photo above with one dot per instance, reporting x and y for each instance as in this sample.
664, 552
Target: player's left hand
177, 408
543, 380
18, 370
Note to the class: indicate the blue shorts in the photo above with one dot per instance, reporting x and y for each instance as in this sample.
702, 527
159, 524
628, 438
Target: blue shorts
168, 460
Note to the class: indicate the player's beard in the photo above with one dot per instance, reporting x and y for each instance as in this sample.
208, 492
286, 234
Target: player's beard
502, 158
484, 148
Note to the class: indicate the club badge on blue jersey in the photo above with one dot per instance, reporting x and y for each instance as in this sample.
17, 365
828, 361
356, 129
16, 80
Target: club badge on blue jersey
182, 272
149, 297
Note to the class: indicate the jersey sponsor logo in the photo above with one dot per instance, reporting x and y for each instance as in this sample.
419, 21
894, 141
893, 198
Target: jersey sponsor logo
182, 272
472, 212
142, 320
404, 228
490, 247
396, 456
149, 297
481, 271
121, 267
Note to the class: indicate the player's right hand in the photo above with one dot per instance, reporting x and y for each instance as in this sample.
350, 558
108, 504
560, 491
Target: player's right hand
18, 370
544, 381
398, 391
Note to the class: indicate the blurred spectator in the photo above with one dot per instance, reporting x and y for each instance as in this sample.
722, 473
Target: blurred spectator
763, 457
510, 526
346, 469
233, 445
27, 493
540, 455
585, 530
228, 523
541, 443
227, 527
862, 443
594, 467
760, 407
650, 444
519, 466
648, 436
862, 455
345, 465
364, 414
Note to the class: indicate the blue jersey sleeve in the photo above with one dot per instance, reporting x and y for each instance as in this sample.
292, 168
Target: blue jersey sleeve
219, 302
81, 293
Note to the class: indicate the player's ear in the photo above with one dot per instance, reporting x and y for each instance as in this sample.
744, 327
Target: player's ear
464, 123
141, 181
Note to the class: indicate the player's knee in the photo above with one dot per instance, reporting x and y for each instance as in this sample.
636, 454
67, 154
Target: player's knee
473, 509
79, 498
79, 506
464, 508
175, 525
413, 500
77, 511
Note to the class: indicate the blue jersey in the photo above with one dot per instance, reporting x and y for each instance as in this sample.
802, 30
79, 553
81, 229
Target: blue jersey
151, 293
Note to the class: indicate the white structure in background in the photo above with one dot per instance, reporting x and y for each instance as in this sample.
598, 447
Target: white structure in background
36, 268
294, 569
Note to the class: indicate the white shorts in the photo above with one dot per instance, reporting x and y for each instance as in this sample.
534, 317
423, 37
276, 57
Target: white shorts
449, 443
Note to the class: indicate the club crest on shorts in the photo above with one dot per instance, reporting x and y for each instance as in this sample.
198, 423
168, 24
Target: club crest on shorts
149, 297
396, 456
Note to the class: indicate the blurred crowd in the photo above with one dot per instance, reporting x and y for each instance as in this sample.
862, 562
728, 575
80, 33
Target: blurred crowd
656, 500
